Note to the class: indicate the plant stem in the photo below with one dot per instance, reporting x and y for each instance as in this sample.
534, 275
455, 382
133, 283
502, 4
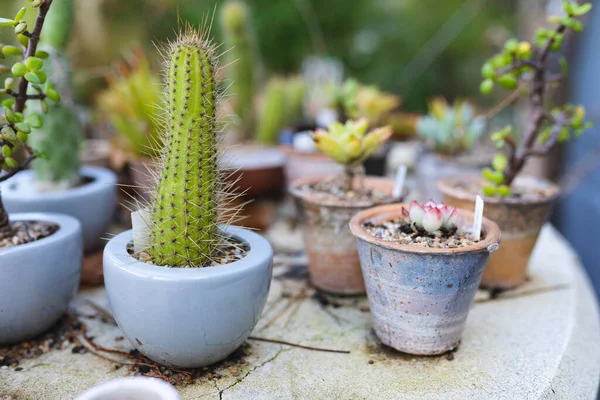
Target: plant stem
349, 173
21, 98
520, 154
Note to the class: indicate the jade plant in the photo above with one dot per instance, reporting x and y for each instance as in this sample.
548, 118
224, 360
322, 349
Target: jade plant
190, 194
130, 105
451, 130
354, 100
242, 61
28, 72
350, 145
525, 65
61, 137
431, 216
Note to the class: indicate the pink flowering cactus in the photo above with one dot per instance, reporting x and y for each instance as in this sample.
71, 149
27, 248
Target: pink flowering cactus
432, 216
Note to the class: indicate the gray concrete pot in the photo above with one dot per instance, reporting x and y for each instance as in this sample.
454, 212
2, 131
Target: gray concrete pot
38, 279
93, 203
419, 296
188, 317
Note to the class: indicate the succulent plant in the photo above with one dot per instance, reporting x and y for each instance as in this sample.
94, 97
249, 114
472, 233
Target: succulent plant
353, 100
62, 135
130, 105
451, 129
242, 61
15, 127
187, 204
432, 216
522, 64
282, 105
350, 144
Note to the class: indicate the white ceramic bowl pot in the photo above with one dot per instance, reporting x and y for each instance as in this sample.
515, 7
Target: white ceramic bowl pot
420, 296
132, 388
188, 317
93, 203
38, 279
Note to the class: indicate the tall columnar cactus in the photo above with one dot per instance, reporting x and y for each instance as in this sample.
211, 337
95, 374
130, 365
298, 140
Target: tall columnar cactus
242, 61
60, 138
185, 210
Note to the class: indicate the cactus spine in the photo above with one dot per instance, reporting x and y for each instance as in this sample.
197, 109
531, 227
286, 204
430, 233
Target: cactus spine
241, 61
185, 209
60, 138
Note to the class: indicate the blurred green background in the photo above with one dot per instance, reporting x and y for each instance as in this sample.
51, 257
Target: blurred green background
415, 48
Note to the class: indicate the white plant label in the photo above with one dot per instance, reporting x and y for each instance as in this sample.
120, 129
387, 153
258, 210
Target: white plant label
141, 230
478, 218
400, 179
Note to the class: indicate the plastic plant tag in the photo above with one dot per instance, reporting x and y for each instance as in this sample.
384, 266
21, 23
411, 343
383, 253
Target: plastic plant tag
140, 228
477, 219
400, 179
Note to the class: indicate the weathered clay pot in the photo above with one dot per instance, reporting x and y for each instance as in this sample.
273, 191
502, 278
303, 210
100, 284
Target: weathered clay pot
333, 263
520, 221
420, 297
431, 167
301, 165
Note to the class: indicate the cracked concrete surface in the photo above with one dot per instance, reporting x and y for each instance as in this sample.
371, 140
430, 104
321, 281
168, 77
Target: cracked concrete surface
540, 341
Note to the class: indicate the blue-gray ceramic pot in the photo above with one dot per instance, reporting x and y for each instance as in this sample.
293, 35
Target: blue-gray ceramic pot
420, 296
92, 203
188, 317
38, 279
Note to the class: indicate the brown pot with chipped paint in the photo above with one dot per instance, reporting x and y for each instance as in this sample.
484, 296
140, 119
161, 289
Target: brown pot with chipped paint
519, 219
333, 263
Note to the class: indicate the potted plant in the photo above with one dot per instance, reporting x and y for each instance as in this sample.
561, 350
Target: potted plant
58, 183
521, 204
449, 133
422, 267
40, 253
190, 292
327, 203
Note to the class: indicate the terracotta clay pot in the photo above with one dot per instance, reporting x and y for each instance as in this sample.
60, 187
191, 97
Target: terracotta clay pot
519, 219
431, 167
333, 263
300, 165
420, 296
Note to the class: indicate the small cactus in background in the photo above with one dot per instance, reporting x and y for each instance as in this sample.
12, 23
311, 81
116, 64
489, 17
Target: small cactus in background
525, 64
432, 217
242, 61
188, 201
130, 105
62, 135
349, 144
282, 105
452, 129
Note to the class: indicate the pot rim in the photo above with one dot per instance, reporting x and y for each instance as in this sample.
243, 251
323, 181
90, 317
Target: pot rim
385, 212
67, 226
234, 156
102, 178
294, 190
159, 387
446, 186
260, 252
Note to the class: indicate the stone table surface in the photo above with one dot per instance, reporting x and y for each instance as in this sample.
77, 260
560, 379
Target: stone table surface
539, 341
